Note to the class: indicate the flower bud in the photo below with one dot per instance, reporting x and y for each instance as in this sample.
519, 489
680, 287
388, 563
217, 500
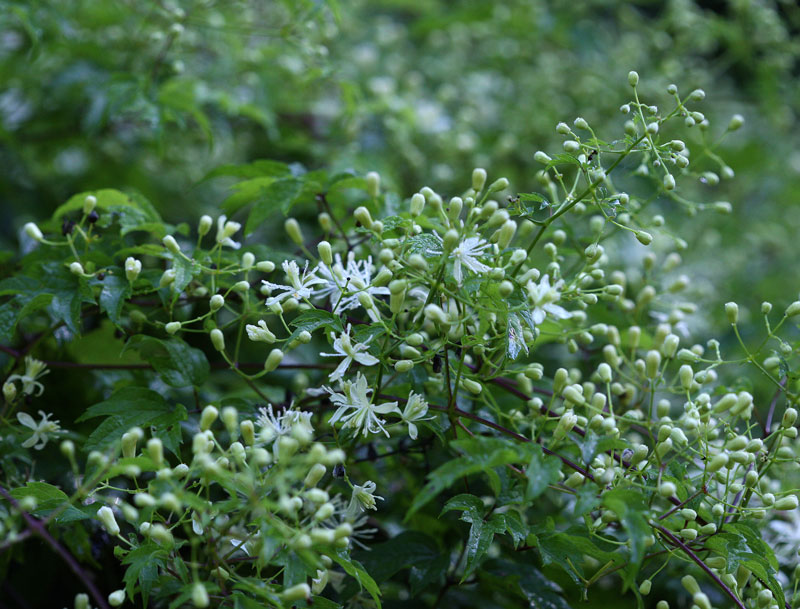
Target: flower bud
248, 432
373, 179
265, 266
132, 268
230, 418
644, 587
667, 489
633, 78
218, 339
248, 260
403, 365
789, 417
116, 598
498, 185
478, 179
241, 286
737, 120
669, 182
172, 327
9, 391
129, 441
506, 233
417, 204
296, 593
89, 203
450, 240
33, 231
644, 237
793, 309
542, 157
273, 360
205, 224
106, 516
363, 216
717, 463
732, 312
314, 475
172, 245
293, 230
199, 595
474, 387
652, 363
325, 254
670, 346
789, 502
75, 268
216, 302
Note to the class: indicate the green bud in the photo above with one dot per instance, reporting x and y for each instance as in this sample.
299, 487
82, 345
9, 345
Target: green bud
363, 216
403, 365
273, 360
325, 253
669, 182
293, 230
216, 302
542, 157
265, 266
652, 363
218, 339
33, 231
732, 312
116, 598
373, 179
474, 387
717, 462
633, 78
172, 245
793, 309
789, 502
644, 587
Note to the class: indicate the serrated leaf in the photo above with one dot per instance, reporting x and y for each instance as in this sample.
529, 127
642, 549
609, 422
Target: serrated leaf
354, 569
542, 471
178, 364
280, 195
406, 550
49, 499
113, 293
515, 341
516, 527
134, 406
143, 565
630, 507
424, 244
482, 454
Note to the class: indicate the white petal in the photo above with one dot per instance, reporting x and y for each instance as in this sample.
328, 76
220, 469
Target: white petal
538, 315
26, 420
557, 311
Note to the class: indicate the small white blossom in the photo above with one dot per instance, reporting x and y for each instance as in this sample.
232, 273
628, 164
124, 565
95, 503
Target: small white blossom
351, 352
260, 332
41, 431
364, 416
363, 499
273, 427
225, 230
301, 285
34, 369
415, 410
465, 253
544, 297
343, 283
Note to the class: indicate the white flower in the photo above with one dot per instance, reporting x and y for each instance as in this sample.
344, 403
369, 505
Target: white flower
344, 283
363, 499
41, 431
466, 253
225, 230
543, 297
34, 369
300, 287
415, 410
345, 348
272, 427
260, 333
364, 417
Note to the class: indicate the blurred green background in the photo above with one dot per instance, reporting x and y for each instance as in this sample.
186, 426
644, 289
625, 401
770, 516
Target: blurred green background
151, 96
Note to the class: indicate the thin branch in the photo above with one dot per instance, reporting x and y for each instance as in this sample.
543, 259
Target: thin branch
677, 542
39, 529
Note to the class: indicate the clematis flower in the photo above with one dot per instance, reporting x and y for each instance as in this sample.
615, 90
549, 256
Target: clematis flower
364, 416
225, 230
41, 431
34, 369
342, 283
351, 352
363, 498
260, 332
466, 254
415, 410
301, 285
543, 297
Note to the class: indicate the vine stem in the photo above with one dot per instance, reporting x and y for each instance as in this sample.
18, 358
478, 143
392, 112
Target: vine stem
690, 553
39, 529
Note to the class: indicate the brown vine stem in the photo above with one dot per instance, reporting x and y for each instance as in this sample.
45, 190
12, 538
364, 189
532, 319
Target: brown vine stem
39, 529
690, 553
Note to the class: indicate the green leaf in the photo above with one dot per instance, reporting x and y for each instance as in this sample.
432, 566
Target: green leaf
131, 210
354, 569
529, 582
568, 549
134, 406
315, 319
115, 290
280, 195
424, 244
515, 341
178, 364
185, 270
406, 550
49, 499
541, 472
516, 527
633, 514
256, 169
144, 563
482, 454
